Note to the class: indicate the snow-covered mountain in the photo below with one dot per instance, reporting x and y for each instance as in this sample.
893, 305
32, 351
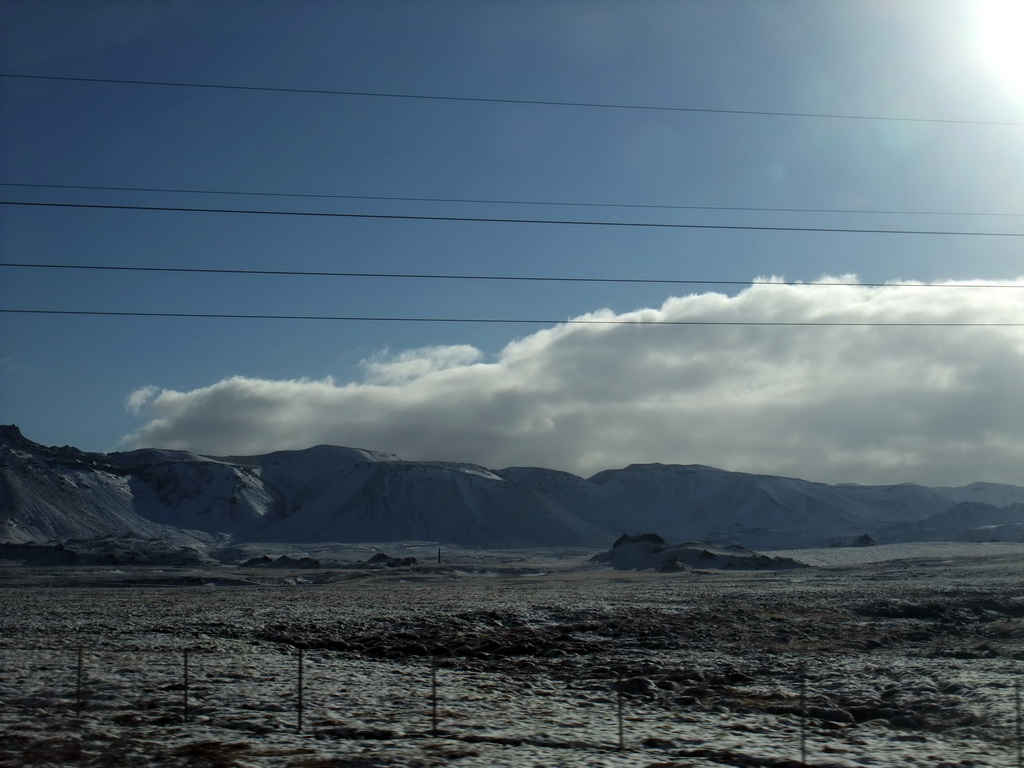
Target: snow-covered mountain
701, 503
966, 521
330, 493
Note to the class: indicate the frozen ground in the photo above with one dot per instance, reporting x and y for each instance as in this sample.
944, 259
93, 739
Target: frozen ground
905, 656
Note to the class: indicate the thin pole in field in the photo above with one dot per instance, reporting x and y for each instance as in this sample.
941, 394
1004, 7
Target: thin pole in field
184, 696
803, 715
618, 697
78, 683
1016, 702
433, 695
298, 725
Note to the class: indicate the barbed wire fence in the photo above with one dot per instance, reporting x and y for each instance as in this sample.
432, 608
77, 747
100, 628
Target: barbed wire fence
312, 691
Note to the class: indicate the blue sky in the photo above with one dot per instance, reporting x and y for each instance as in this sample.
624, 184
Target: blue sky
930, 408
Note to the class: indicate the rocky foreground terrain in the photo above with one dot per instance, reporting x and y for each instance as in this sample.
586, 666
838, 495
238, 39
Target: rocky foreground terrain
908, 661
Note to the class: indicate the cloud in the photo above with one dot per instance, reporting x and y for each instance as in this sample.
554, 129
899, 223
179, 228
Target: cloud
139, 398
416, 363
882, 404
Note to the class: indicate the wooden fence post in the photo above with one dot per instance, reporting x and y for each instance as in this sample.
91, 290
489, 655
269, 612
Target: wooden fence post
184, 695
619, 707
433, 695
298, 725
1016, 701
78, 684
803, 715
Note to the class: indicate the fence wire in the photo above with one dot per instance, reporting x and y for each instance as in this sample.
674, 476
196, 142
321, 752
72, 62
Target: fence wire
324, 694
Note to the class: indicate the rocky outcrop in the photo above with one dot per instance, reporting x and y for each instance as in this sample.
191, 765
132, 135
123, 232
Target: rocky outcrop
649, 551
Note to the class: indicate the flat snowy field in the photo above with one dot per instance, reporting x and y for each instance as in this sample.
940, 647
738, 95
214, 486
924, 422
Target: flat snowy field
877, 657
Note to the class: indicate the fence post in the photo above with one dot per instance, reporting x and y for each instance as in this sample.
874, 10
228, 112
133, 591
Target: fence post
298, 725
184, 696
433, 695
618, 699
1016, 698
78, 684
803, 715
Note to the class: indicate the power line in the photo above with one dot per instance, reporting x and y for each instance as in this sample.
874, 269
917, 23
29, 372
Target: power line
523, 278
499, 220
494, 100
520, 321
487, 201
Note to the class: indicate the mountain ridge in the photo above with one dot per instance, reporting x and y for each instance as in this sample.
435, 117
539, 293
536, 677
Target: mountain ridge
335, 493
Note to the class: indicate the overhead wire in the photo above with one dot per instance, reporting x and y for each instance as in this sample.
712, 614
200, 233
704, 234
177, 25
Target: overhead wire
519, 321
482, 277
516, 220
489, 201
496, 100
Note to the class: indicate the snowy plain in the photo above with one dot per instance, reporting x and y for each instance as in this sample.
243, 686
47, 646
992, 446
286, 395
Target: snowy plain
878, 656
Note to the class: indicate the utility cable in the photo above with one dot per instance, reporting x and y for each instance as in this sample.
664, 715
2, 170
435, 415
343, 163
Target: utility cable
486, 201
522, 278
494, 100
521, 321
499, 220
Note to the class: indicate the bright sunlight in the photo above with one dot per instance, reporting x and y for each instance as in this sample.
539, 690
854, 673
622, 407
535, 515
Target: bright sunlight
1001, 28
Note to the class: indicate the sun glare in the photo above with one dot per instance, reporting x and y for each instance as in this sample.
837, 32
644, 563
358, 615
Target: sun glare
1001, 37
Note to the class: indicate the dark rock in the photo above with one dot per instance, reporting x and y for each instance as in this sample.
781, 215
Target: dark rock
697, 692
634, 685
257, 561
653, 742
865, 712
831, 715
906, 721
860, 541
650, 538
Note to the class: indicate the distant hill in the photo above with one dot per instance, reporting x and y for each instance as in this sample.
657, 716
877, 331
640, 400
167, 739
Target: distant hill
331, 493
650, 552
966, 521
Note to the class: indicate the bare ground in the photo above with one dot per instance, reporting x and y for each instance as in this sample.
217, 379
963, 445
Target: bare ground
907, 662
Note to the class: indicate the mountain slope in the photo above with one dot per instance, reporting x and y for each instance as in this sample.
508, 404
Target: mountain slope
398, 500
331, 493
966, 521
63, 493
697, 502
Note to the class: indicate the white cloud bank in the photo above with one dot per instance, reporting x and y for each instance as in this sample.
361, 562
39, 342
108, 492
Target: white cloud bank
938, 406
